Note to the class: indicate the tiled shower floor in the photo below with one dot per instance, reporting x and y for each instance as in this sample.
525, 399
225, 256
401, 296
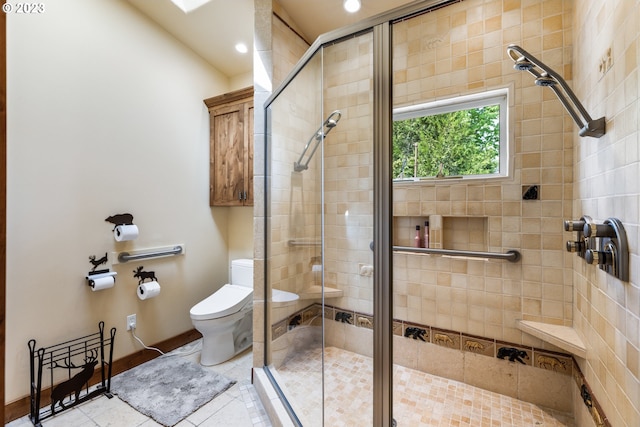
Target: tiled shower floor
420, 399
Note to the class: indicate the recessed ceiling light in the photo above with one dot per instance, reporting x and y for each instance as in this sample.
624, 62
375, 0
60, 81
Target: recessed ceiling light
242, 48
188, 6
352, 6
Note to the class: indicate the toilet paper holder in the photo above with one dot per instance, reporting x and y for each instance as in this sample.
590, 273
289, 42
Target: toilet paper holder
92, 277
146, 290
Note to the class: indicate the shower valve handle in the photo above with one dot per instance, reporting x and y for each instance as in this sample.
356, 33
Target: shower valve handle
598, 230
576, 246
574, 225
598, 257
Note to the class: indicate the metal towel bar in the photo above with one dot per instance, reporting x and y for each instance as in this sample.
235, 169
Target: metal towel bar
304, 243
511, 255
126, 256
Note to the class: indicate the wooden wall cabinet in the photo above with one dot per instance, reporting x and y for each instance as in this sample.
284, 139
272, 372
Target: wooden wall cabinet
231, 148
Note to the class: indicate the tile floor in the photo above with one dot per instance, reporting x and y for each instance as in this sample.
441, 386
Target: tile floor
238, 407
420, 399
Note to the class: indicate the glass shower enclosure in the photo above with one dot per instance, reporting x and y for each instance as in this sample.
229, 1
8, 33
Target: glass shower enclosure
328, 229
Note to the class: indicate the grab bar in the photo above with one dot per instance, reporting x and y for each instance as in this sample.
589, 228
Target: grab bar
126, 256
320, 134
303, 243
511, 255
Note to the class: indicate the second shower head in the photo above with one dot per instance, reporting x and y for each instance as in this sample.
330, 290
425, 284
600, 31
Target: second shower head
546, 77
545, 80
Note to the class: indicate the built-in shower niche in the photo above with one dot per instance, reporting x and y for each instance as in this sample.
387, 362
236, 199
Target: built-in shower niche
464, 233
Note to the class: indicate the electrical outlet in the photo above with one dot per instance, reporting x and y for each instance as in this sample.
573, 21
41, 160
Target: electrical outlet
131, 322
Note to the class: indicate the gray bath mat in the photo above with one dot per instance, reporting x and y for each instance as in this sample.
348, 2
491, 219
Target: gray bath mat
169, 389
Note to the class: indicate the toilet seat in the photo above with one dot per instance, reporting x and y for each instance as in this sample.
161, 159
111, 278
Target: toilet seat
225, 301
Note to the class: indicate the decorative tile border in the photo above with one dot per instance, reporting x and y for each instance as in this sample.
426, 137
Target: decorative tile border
478, 345
448, 339
543, 359
515, 353
589, 400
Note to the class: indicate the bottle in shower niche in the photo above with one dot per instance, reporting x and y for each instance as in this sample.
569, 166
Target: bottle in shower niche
425, 240
416, 240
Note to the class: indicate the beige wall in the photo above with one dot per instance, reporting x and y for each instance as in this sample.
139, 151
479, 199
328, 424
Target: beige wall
607, 184
105, 116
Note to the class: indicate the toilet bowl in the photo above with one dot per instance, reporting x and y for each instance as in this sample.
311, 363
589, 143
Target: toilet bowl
225, 318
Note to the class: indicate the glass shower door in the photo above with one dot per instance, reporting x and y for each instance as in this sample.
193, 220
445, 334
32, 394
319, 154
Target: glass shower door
319, 347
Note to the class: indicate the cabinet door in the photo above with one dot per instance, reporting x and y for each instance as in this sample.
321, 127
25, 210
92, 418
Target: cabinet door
228, 155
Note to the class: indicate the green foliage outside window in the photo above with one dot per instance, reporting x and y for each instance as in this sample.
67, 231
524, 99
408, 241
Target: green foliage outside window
464, 142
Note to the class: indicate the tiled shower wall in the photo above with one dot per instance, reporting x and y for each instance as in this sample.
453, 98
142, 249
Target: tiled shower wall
458, 50
607, 184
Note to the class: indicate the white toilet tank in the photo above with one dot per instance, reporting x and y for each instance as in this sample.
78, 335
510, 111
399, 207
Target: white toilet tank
242, 272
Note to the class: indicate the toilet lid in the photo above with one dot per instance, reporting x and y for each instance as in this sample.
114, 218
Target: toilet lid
225, 301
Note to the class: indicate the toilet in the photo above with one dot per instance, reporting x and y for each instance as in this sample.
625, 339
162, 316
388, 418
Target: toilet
225, 318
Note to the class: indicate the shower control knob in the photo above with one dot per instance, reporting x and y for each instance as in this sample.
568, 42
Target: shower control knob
598, 257
598, 230
577, 246
573, 225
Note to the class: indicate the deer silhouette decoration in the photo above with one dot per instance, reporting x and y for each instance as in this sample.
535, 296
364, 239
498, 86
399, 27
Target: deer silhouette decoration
96, 262
143, 275
74, 384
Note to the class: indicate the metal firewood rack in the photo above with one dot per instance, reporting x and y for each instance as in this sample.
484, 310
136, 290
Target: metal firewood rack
67, 393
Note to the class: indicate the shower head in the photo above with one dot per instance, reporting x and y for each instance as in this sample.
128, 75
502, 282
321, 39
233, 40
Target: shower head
319, 135
522, 64
545, 80
545, 76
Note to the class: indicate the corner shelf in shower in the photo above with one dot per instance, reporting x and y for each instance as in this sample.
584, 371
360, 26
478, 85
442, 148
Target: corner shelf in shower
564, 337
315, 292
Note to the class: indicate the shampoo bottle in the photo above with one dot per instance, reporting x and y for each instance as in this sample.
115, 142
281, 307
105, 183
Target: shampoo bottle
416, 240
425, 243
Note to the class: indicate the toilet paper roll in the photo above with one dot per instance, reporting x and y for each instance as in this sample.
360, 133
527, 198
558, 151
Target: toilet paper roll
123, 233
100, 283
148, 290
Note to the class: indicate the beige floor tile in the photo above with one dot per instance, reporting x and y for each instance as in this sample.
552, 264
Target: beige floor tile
420, 399
231, 415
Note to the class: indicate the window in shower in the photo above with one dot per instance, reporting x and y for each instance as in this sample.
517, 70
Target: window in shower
463, 137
